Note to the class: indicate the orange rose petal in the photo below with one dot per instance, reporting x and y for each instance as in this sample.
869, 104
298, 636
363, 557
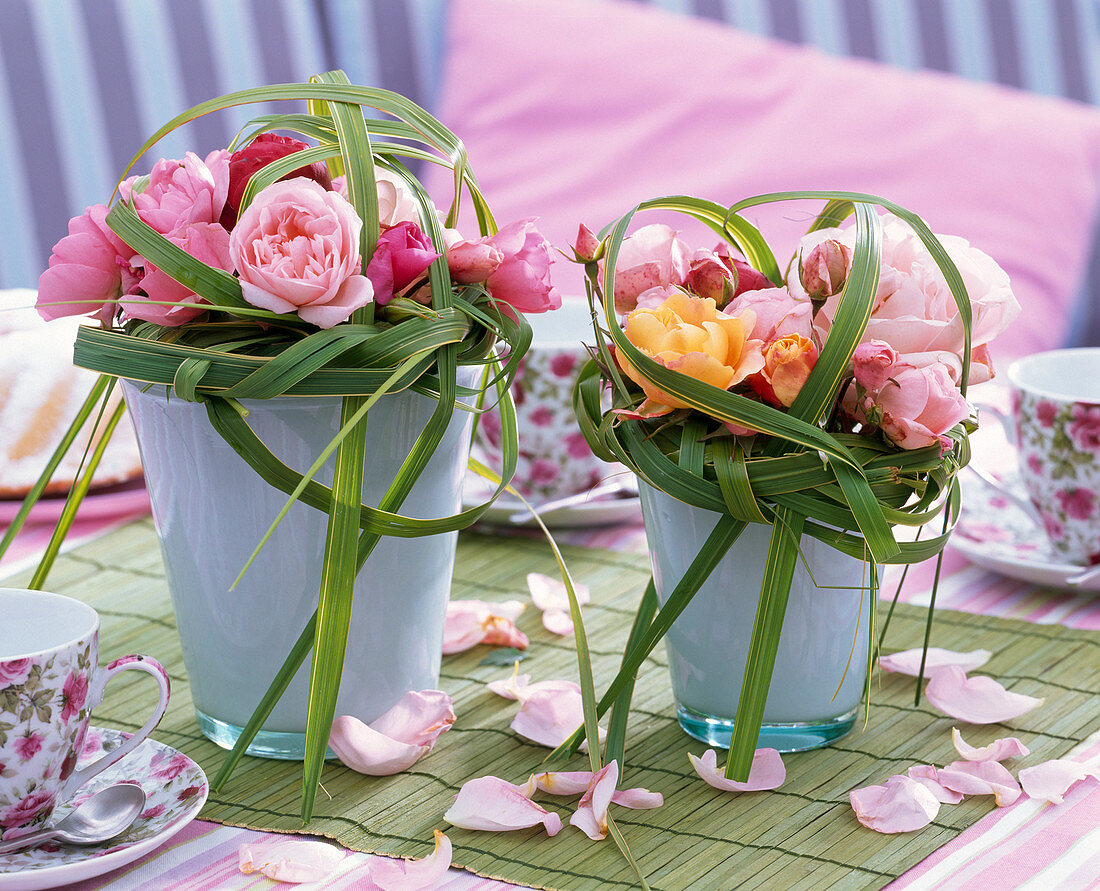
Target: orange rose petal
767, 772
908, 661
1051, 780
998, 750
411, 874
979, 700
294, 862
981, 778
901, 805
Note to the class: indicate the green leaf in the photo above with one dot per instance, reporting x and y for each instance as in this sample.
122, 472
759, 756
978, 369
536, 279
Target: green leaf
504, 657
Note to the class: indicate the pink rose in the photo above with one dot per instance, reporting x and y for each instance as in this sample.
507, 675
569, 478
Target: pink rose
14, 672
577, 447
471, 262
523, 278
823, 270
396, 201
1053, 527
709, 277
541, 417
872, 363
587, 245
1079, 504
89, 270
563, 365
26, 747
1034, 464
260, 152
23, 812
778, 314
651, 257
1084, 429
206, 242
402, 255
1046, 412
192, 190
74, 693
175, 765
914, 310
296, 249
542, 472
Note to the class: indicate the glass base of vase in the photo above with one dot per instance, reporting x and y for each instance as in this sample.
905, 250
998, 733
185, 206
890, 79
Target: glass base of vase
795, 737
284, 746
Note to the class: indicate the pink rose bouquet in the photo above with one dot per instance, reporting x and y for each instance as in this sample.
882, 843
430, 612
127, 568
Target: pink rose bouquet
306, 259
824, 393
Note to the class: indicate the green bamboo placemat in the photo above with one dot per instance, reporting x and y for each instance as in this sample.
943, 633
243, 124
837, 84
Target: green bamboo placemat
801, 836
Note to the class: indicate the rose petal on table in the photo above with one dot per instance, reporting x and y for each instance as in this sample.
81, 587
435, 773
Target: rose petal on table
998, 750
411, 874
418, 718
492, 805
295, 861
365, 750
767, 772
590, 816
908, 661
520, 688
901, 805
548, 716
979, 700
558, 621
472, 622
1051, 780
928, 776
548, 592
981, 778
574, 782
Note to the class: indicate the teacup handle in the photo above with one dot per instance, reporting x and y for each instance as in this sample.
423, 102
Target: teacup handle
95, 695
1006, 419
989, 479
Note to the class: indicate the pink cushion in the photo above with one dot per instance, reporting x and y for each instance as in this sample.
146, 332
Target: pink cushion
576, 111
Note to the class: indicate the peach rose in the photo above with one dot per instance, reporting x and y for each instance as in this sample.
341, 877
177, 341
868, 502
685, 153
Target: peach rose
690, 335
787, 363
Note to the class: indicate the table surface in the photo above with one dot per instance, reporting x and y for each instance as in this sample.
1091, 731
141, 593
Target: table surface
1027, 845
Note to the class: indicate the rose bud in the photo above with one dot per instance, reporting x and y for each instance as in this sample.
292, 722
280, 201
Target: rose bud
588, 246
872, 364
260, 152
745, 277
787, 364
824, 270
709, 277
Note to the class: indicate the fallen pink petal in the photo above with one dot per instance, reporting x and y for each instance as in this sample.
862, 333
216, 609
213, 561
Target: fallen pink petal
590, 816
1051, 780
548, 716
551, 597
979, 700
492, 805
901, 805
908, 661
928, 776
520, 688
411, 874
575, 782
998, 750
472, 622
767, 772
396, 740
294, 862
981, 778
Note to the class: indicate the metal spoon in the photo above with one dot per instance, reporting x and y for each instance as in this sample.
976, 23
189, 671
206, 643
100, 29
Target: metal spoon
103, 816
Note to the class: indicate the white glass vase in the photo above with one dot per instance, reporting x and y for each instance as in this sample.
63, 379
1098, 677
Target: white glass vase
211, 509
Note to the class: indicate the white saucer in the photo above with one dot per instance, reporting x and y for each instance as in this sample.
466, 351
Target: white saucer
176, 790
112, 501
996, 534
608, 510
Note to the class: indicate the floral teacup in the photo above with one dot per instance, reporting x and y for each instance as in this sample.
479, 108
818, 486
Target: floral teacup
1056, 426
50, 680
554, 459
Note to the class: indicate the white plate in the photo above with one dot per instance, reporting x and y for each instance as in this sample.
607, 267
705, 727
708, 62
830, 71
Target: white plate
176, 790
605, 511
996, 534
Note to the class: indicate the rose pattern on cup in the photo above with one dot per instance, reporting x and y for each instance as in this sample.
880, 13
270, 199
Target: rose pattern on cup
32, 694
1060, 465
175, 789
554, 459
